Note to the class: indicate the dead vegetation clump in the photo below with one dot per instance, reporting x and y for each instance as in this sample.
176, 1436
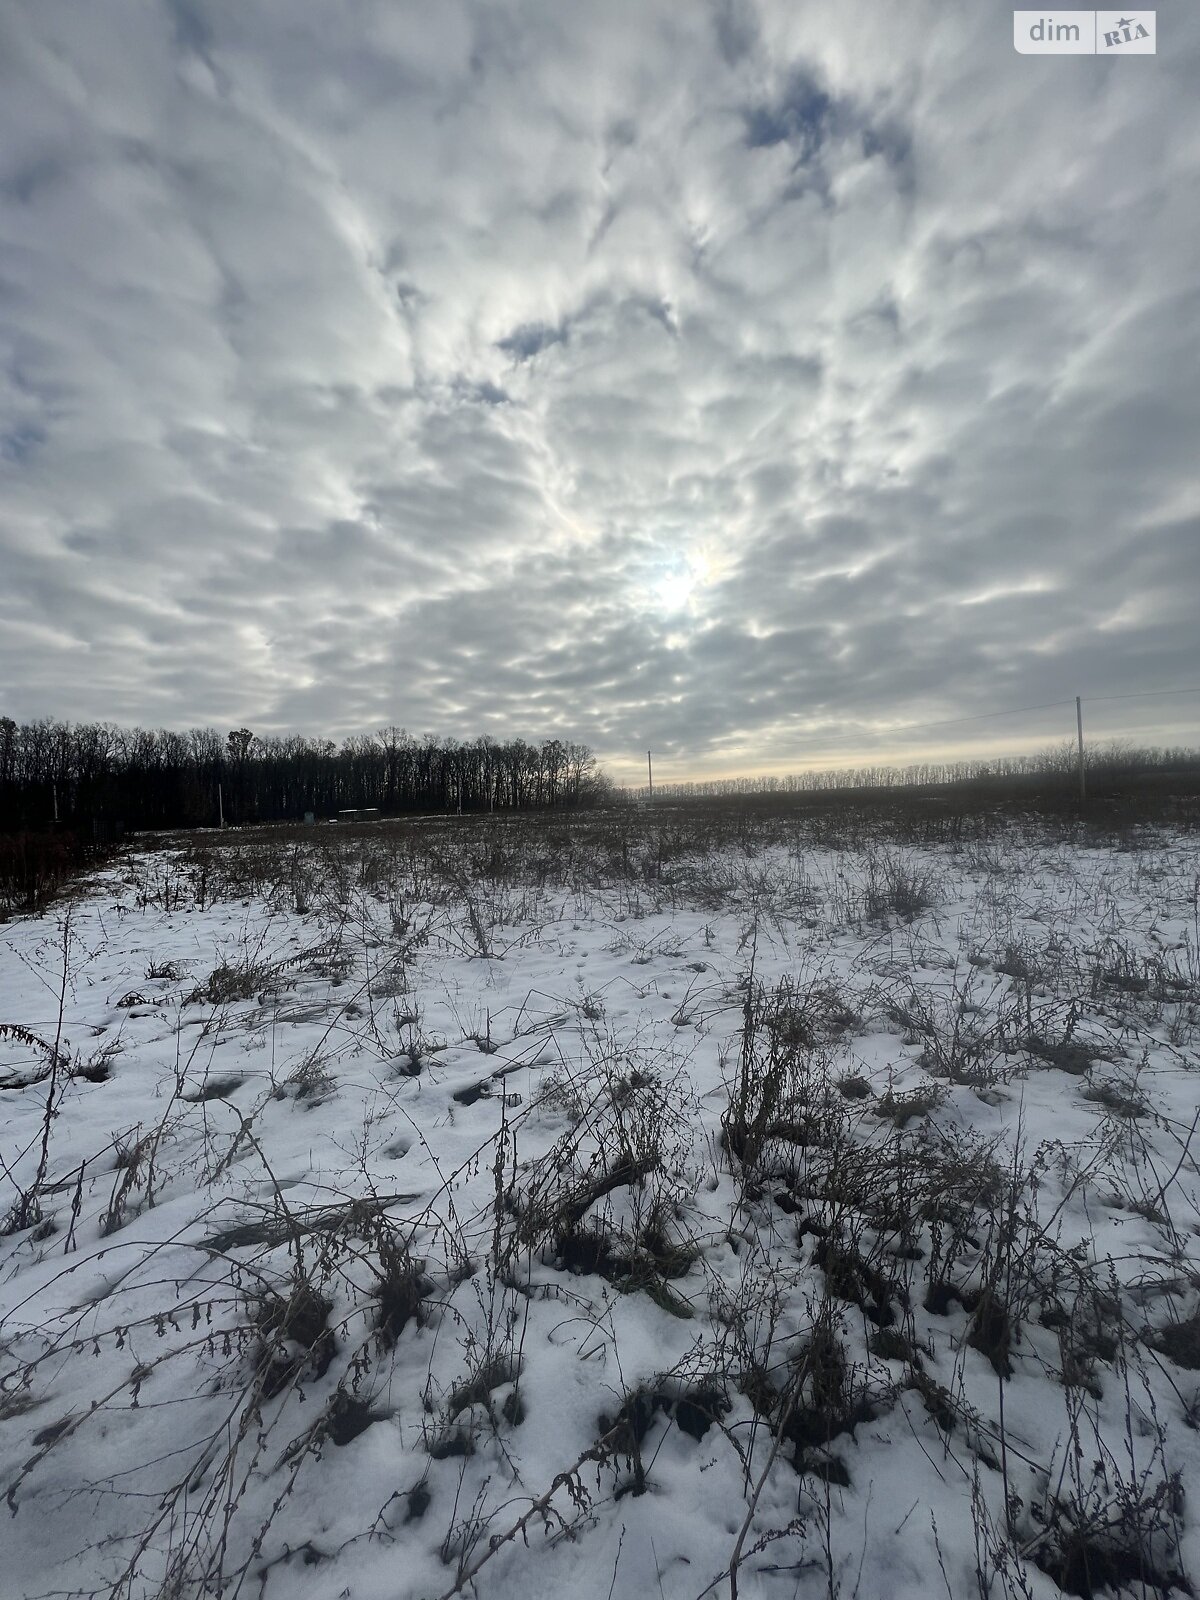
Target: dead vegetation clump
608, 1196
228, 983
895, 886
295, 1340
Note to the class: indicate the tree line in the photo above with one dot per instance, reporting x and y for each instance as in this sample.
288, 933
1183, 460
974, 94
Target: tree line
1113, 759
98, 776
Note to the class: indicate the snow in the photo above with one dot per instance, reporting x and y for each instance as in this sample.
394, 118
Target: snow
601, 1008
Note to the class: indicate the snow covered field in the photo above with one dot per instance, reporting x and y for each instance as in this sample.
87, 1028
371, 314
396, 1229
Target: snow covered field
629, 1205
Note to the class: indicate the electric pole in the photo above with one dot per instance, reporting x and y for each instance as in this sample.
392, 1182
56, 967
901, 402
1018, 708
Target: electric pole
1079, 729
650, 773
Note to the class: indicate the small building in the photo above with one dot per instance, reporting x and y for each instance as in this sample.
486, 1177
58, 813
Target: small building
358, 814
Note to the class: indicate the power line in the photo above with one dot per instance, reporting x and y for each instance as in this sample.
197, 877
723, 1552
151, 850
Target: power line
944, 722
1145, 694
986, 716
820, 740
980, 716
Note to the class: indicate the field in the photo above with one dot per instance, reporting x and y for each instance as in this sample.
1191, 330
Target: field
675, 1203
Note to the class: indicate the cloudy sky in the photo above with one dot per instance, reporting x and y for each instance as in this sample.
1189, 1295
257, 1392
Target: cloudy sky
741, 378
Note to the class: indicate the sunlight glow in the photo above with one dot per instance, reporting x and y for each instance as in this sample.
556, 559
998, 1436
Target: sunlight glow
674, 589
677, 586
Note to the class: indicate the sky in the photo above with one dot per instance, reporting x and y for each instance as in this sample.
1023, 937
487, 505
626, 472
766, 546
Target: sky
745, 380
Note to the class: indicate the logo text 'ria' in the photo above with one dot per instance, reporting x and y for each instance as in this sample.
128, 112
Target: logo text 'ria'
1121, 34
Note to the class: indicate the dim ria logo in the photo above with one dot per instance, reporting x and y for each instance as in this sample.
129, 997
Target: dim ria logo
1084, 33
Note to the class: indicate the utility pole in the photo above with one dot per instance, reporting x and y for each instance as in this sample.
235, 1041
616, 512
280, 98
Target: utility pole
650, 773
1079, 729
55, 788
220, 805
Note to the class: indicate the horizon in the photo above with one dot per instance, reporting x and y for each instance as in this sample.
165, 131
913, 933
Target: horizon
1103, 742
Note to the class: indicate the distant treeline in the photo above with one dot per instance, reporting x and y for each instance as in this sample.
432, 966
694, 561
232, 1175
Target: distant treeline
94, 774
1057, 764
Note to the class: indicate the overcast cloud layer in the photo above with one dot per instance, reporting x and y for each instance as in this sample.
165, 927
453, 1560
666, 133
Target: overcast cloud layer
705, 376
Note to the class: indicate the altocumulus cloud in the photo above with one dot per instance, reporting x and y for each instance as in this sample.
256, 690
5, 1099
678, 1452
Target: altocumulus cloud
708, 376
